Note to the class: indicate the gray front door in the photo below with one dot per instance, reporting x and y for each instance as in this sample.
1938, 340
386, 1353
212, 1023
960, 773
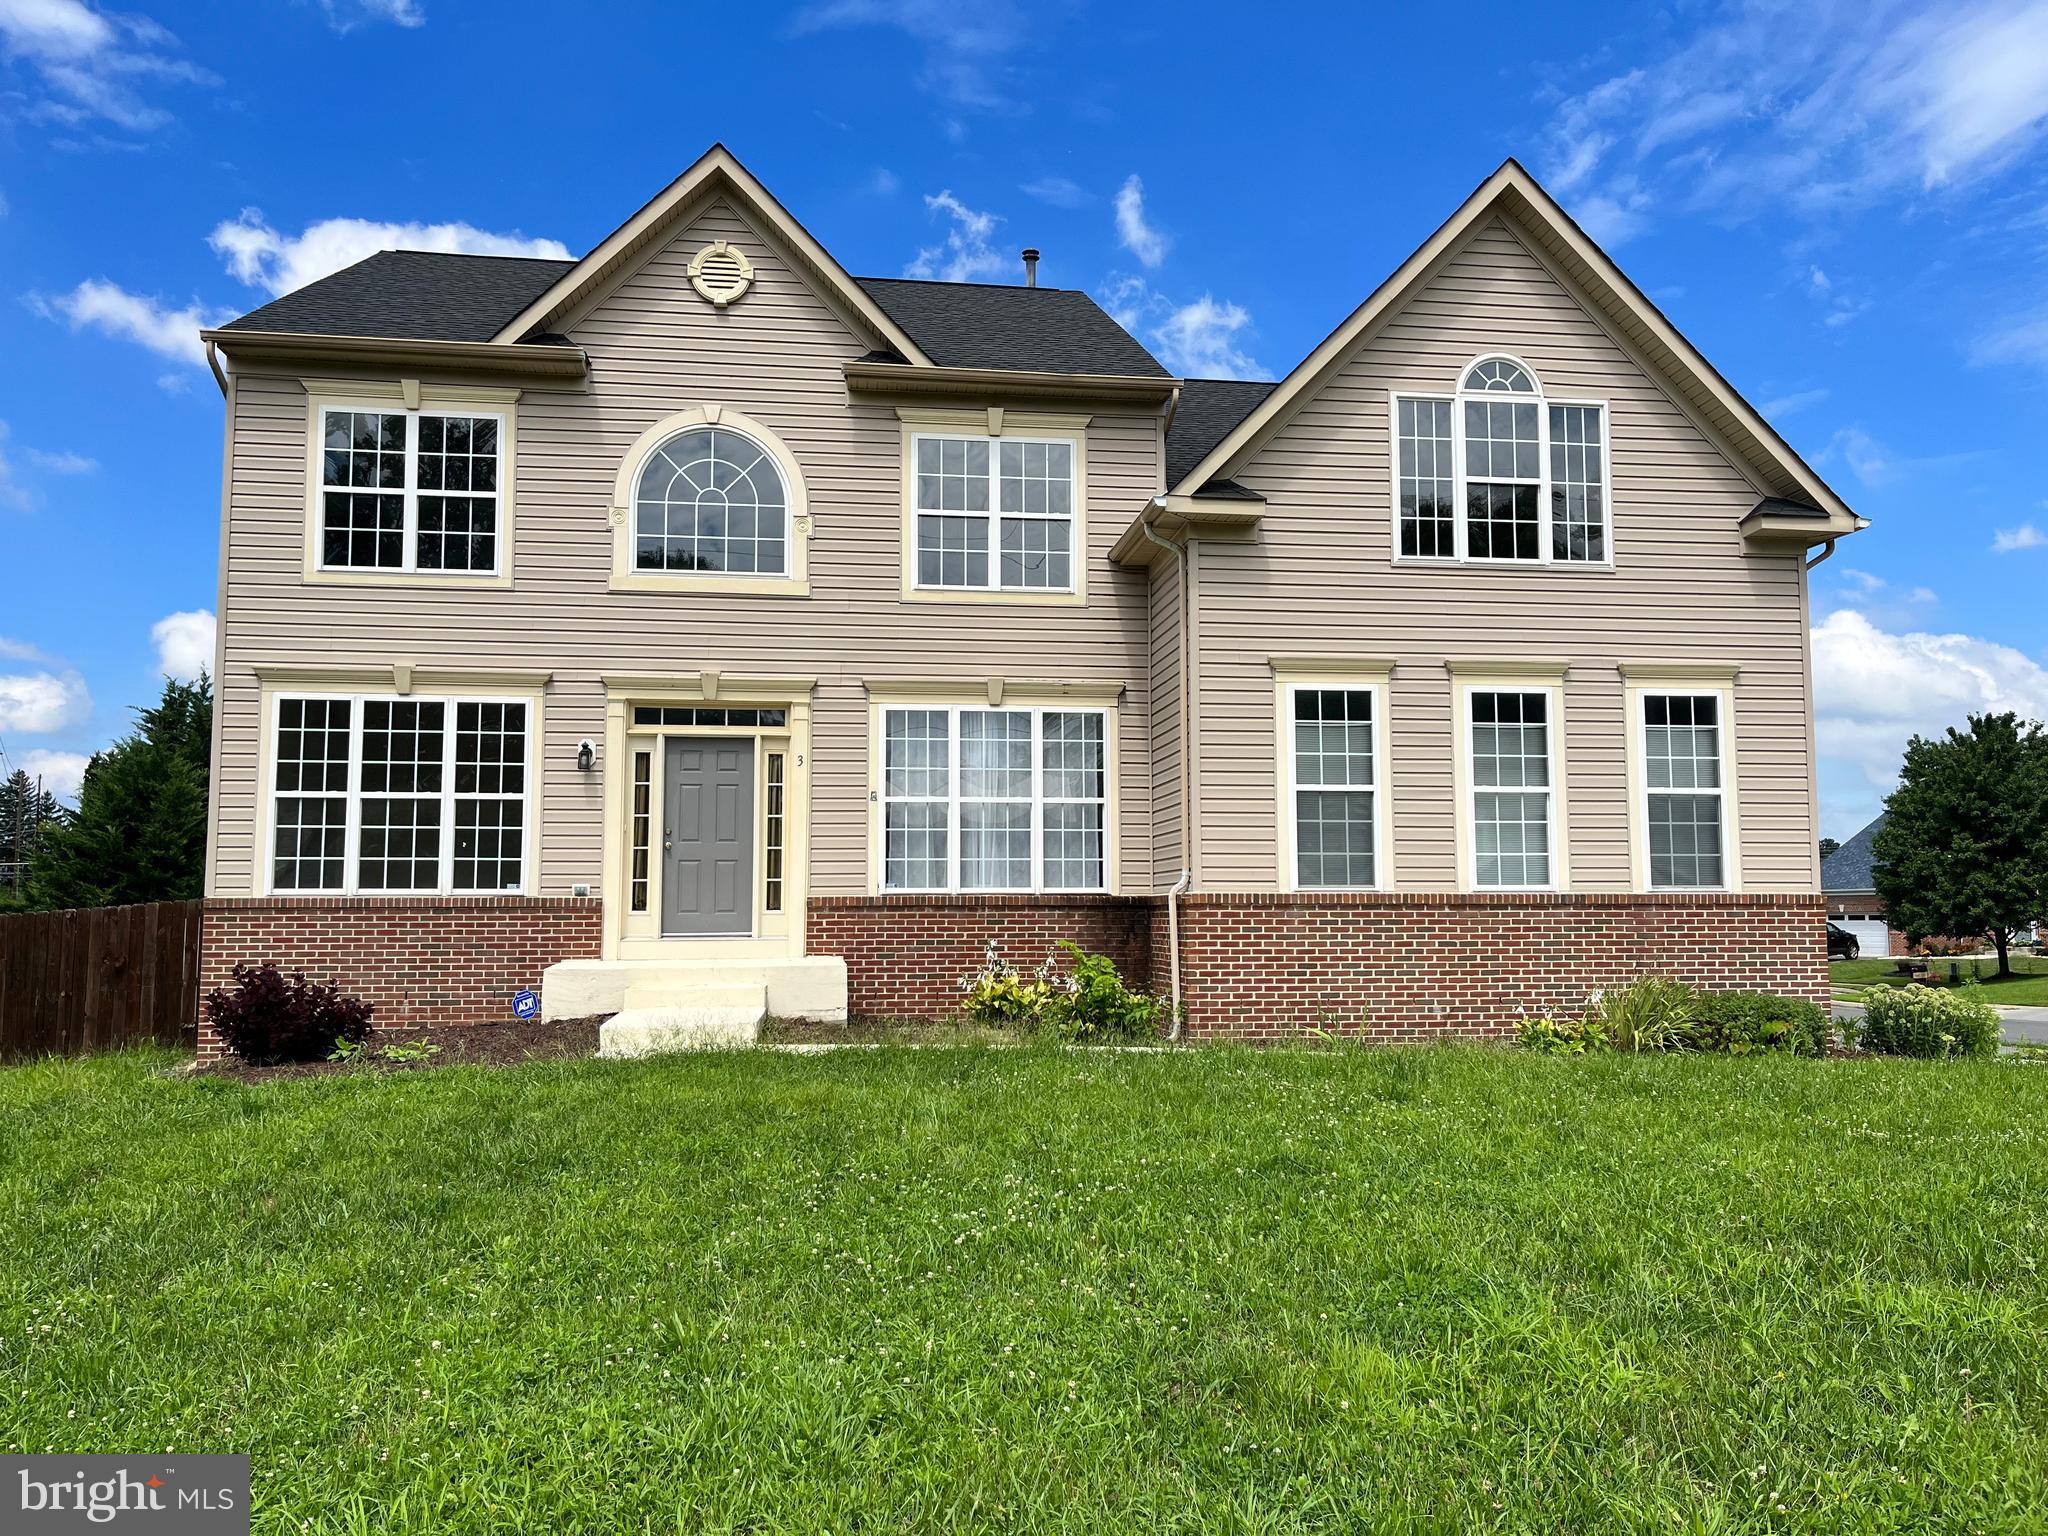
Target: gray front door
707, 837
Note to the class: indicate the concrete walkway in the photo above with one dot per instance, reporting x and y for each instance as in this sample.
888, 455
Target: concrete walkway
2021, 1026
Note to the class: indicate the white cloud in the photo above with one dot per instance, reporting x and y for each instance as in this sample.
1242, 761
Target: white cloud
99, 305
1615, 216
1132, 232
1874, 689
63, 463
1058, 191
1201, 341
1866, 457
2026, 536
61, 772
1751, 115
1817, 282
184, 643
2024, 340
965, 45
13, 493
39, 702
347, 15
1862, 581
883, 182
92, 63
1787, 405
264, 258
965, 255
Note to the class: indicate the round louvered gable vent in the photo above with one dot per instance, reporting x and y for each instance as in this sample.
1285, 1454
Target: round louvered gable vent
720, 273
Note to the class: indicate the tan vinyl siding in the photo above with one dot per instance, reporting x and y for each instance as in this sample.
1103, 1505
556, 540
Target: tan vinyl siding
1319, 581
1166, 723
655, 349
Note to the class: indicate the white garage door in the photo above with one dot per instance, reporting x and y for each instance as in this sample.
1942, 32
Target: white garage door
1870, 933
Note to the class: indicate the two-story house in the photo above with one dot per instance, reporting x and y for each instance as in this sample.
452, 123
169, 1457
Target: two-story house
697, 615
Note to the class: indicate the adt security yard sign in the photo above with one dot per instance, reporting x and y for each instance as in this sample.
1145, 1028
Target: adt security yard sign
526, 1005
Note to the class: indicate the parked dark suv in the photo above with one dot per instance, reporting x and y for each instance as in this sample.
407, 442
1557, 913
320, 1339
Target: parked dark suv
1842, 944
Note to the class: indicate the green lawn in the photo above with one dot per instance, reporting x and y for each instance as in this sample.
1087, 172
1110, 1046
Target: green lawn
2029, 986
960, 1290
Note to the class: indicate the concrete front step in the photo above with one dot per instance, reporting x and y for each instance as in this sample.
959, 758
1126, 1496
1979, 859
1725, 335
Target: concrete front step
653, 1031
806, 987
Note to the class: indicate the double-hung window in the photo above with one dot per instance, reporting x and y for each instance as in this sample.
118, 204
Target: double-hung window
993, 514
980, 799
410, 491
1498, 471
1335, 785
374, 794
1512, 815
1685, 788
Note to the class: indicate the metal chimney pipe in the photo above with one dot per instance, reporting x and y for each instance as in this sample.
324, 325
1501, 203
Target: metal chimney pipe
1030, 266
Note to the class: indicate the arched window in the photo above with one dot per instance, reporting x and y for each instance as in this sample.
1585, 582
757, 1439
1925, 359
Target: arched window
711, 498
1500, 471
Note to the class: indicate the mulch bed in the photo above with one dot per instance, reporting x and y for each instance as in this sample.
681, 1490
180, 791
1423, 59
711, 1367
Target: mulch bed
492, 1045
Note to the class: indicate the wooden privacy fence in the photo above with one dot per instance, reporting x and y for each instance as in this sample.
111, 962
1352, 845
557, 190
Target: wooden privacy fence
72, 982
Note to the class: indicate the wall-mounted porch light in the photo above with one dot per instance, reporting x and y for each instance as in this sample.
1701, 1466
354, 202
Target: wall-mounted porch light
586, 755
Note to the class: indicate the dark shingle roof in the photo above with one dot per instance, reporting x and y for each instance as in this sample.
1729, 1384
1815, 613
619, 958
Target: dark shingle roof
412, 296
439, 296
1848, 867
991, 325
1209, 409
1777, 506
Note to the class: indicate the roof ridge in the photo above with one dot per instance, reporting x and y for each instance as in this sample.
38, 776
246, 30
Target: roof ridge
409, 250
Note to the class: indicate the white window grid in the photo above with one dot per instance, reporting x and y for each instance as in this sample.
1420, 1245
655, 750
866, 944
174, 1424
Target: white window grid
1685, 771
1336, 755
1004, 506
455, 516
1566, 457
936, 794
1511, 805
735, 522
500, 816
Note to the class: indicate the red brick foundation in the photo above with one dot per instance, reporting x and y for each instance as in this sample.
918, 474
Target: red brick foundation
420, 959
1413, 967
907, 956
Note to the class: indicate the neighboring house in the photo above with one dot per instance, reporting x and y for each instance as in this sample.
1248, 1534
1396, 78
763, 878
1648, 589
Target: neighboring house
1851, 891
700, 608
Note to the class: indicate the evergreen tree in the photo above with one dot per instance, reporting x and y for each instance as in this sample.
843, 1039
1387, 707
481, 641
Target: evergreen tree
1828, 845
1964, 846
139, 833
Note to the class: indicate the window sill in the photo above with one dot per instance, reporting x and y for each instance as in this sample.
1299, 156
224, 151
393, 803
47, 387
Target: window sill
345, 578
1452, 562
1010, 596
750, 586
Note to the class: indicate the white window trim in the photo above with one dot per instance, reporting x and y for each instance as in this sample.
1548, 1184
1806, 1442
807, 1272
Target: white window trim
882, 700
266, 854
796, 533
1527, 678
995, 424
409, 398
1648, 680
1291, 675
1456, 399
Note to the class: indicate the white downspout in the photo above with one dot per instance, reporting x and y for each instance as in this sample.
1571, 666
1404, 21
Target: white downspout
1187, 870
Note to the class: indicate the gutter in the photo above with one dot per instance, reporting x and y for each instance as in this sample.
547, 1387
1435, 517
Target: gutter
398, 351
1187, 799
213, 362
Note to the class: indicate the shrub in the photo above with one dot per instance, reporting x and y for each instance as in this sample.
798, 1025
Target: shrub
1564, 1037
1747, 1023
1651, 1013
1094, 1005
998, 998
266, 1018
1929, 1021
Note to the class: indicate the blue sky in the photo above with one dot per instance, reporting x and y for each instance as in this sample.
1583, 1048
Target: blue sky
1845, 207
